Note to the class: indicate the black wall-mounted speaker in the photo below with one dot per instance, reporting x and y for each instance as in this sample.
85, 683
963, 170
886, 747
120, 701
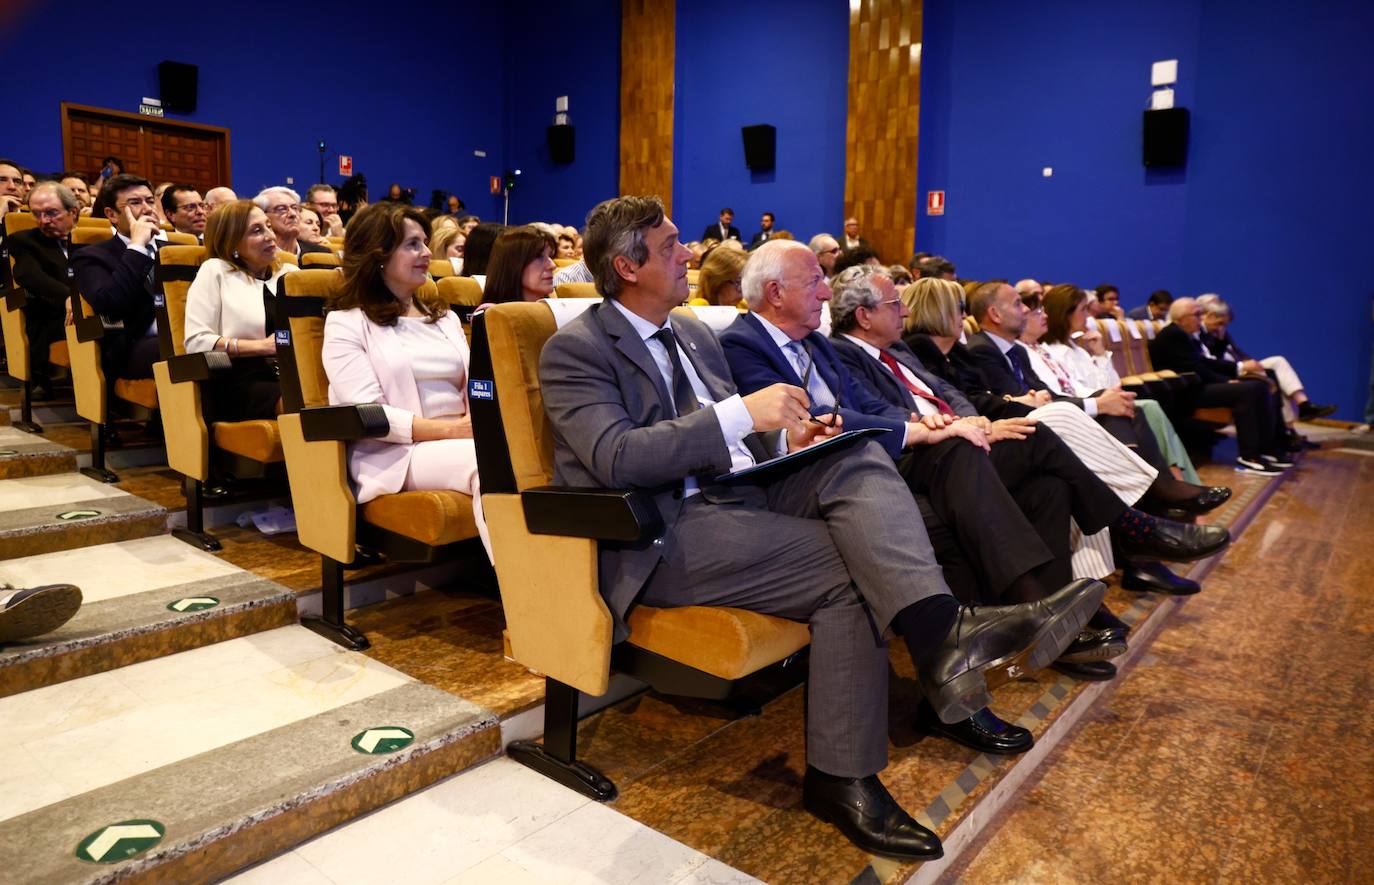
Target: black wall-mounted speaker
562, 144
760, 146
177, 86
1166, 137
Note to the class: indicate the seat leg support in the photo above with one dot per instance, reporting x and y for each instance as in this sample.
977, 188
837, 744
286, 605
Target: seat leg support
331, 624
97, 469
26, 422
194, 533
556, 758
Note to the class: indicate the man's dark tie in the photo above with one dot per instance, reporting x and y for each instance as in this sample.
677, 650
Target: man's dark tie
891, 362
1020, 366
684, 397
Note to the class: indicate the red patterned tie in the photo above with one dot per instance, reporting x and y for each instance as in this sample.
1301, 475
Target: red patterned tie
889, 361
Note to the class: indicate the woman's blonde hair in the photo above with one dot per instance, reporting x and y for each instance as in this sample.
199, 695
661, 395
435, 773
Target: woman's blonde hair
442, 238
721, 266
934, 305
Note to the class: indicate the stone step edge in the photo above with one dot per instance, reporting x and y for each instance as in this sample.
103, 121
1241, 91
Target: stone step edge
268, 830
973, 821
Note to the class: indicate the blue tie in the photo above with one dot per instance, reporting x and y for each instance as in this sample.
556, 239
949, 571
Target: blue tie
821, 395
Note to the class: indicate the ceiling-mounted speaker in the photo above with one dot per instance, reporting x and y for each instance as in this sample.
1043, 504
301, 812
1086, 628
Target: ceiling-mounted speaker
177, 84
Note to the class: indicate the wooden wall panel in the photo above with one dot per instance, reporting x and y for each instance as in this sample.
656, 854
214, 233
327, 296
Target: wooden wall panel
882, 126
647, 42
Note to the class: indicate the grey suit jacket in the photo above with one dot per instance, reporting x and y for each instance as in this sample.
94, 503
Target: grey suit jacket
614, 427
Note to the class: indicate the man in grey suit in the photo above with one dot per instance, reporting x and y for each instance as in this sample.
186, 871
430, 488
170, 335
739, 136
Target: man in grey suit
641, 400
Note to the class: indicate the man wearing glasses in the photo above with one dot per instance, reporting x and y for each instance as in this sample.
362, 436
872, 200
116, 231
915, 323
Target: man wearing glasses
827, 250
325, 200
187, 212
283, 208
41, 270
116, 276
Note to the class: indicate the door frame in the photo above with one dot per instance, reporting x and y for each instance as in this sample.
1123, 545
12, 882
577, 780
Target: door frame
142, 120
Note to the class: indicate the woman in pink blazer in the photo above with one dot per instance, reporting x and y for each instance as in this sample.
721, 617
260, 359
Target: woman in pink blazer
386, 342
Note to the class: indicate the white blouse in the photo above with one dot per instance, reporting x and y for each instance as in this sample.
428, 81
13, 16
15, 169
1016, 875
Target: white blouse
440, 373
225, 302
1090, 373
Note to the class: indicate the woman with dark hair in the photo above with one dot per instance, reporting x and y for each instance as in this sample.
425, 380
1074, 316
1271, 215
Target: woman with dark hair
477, 250
229, 309
521, 266
390, 339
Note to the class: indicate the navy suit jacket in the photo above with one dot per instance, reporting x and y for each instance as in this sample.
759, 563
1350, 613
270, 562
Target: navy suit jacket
1218, 345
116, 280
40, 268
879, 379
1175, 349
996, 370
756, 362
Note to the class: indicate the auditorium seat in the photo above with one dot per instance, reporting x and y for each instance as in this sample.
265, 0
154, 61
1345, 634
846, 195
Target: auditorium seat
439, 268
565, 262
464, 294
419, 527
320, 260
14, 324
576, 290
240, 449
545, 541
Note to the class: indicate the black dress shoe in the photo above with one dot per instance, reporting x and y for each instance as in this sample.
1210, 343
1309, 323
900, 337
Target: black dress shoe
1105, 620
1310, 410
1095, 645
1205, 501
1155, 577
1010, 639
1087, 671
984, 731
1177, 542
868, 816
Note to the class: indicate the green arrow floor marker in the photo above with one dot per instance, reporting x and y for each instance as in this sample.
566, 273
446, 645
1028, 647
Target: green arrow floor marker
120, 841
193, 604
77, 514
382, 739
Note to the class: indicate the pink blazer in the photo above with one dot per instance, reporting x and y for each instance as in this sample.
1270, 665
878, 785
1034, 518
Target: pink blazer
366, 363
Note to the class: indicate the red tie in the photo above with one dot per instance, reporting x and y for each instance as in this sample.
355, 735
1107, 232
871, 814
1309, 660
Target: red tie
888, 360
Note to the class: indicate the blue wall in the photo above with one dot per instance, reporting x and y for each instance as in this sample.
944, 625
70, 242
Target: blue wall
766, 61
410, 102
1271, 208
552, 53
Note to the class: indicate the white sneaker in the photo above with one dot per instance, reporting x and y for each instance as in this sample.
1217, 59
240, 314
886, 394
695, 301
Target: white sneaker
1360, 428
1245, 465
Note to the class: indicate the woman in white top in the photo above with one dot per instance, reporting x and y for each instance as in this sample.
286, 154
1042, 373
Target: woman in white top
388, 342
228, 309
1082, 367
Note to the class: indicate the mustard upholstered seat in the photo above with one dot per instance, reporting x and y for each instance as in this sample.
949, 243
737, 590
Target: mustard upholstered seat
557, 622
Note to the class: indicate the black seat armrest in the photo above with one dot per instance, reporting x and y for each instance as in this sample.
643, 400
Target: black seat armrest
197, 366
344, 423
602, 514
16, 299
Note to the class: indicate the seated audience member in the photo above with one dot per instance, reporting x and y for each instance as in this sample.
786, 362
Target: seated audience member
724, 229
936, 266
218, 196
31, 612
448, 242
573, 273
184, 209
932, 333
283, 208
567, 246
852, 239
398, 194
827, 251
1257, 414
477, 250
980, 499
387, 341
116, 276
312, 228
1216, 335
900, 275
719, 282
468, 222
1156, 307
11, 188
783, 235
352, 195
228, 308
641, 401
75, 183
1109, 302
325, 201
521, 266
853, 258
1029, 286
455, 207
157, 194
1073, 360
41, 269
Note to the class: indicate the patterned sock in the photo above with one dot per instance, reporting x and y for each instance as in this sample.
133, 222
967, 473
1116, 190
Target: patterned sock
1134, 525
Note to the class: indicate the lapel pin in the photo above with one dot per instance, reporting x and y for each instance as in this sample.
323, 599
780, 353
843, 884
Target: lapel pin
692, 345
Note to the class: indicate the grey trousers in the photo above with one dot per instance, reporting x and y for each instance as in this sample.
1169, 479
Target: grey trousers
838, 544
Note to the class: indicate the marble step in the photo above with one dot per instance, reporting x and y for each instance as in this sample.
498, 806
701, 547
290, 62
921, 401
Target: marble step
141, 599
31, 454
42, 514
189, 767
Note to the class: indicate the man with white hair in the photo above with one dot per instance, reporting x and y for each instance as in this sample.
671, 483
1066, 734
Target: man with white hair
218, 196
283, 208
1029, 286
827, 250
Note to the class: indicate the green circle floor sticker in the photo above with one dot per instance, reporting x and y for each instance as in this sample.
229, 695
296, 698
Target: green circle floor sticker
9, 451
193, 604
69, 515
382, 739
120, 841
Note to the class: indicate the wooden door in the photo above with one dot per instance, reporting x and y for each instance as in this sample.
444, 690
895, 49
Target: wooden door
157, 149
